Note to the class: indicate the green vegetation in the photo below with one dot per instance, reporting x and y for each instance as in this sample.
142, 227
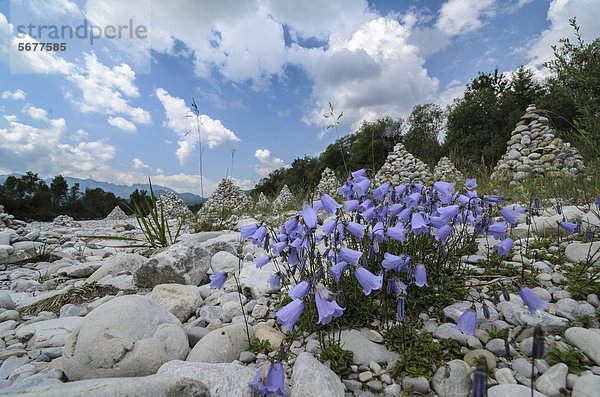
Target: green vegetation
339, 358
573, 357
260, 346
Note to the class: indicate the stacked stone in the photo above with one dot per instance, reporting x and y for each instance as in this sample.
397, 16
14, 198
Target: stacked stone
6, 220
65, 220
285, 199
173, 207
328, 184
402, 167
262, 201
534, 149
446, 171
226, 197
116, 214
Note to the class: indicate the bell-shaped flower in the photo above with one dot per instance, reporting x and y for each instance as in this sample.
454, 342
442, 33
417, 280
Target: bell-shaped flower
261, 261
299, 291
336, 270
269, 379
290, 225
368, 280
345, 190
217, 280
310, 216
329, 204
258, 236
356, 229
445, 190
359, 174
275, 280
328, 227
400, 309
437, 221
412, 200
570, 227
512, 216
404, 215
397, 232
381, 191
471, 184
365, 205
290, 313
497, 230
278, 247
420, 276
327, 307
492, 199
350, 256
443, 233
398, 287
394, 262
504, 246
530, 298
418, 224
467, 322
350, 205
395, 209
361, 187
378, 232
368, 214
449, 212
401, 189
248, 231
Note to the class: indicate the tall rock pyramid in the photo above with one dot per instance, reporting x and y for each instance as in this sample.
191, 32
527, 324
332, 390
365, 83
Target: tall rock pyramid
402, 167
262, 201
285, 199
534, 149
445, 171
328, 184
173, 207
116, 214
227, 197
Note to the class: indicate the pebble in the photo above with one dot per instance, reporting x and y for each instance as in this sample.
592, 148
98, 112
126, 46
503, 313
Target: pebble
365, 376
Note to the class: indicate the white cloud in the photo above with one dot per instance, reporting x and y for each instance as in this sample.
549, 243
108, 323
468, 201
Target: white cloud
180, 119
122, 124
54, 8
10, 117
267, 163
373, 73
139, 164
36, 113
463, 16
559, 13
18, 95
104, 90
453, 91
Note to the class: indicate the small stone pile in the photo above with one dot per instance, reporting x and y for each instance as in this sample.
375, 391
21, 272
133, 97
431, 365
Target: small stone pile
173, 207
226, 197
534, 149
402, 167
116, 214
8, 221
285, 199
65, 221
328, 184
262, 201
445, 171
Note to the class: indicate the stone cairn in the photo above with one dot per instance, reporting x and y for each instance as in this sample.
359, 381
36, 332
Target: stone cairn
65, 221
402, 167
226, 197
445, 171
8, 221
173, 206
534, 149
285, 199
328, 184
116, 214
262, 201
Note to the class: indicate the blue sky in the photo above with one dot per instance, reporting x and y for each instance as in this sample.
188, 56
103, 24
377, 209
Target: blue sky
261, 71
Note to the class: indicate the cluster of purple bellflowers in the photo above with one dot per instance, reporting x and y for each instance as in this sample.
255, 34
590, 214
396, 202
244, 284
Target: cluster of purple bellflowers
386, 238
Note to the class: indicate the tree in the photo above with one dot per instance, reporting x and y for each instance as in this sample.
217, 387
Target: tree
577, 70
58, 190
427, 122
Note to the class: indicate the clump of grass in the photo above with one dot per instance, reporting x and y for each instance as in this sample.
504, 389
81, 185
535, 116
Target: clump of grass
573, 357
339, 358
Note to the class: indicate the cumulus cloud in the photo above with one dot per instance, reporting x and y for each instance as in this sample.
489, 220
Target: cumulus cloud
36, 113
267, 163
107, 90
139, 164
18, 95
122, 124
180, 119
559, 13
463, 16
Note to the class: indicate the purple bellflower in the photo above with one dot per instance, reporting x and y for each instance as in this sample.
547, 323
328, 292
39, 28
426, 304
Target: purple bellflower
418, 224
497, 230
327, 307
533, 302
261, 261
270, 379
397, 232
258, 236
443, 233
395, 262
275, 280
400, 309
278, 247
248, 230
420, 276
570, 227
512, 216
467, 322
350, 205
299, 291
448, 213
329, 204
290, 313
504, 246
471, 184
310, 216
328, 227
336, 270
217, 280
381, 191
368, 214
350, 256
368, 280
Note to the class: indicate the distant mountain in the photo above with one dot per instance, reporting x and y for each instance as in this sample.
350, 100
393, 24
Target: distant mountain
122, 191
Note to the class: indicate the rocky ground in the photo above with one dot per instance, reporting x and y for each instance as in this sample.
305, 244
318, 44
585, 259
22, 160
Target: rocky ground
96, 319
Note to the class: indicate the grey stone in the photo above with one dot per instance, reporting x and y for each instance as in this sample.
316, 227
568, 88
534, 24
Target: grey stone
393, 390
254, 281
233, 297
11, 364
49, 333
247, 357
505, 376
512, 391
419, 384
80, 270
452, 379
447, 331
585, 340
127, 336
6, 301
593, 300
365, 350
180, 300
523, 367
224, 261
116, 264
552, 380
222, 379
498, 347
149, 386
352, 385
222, 345
490, 358
583, 252
310, 378
586, 386
210, 313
